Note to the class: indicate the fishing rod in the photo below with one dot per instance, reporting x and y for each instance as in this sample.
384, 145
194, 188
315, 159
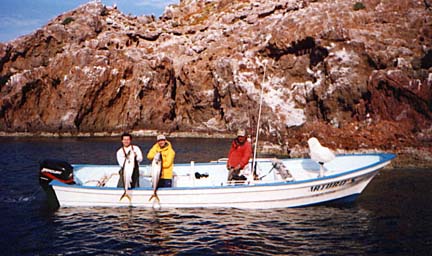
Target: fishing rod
258, 123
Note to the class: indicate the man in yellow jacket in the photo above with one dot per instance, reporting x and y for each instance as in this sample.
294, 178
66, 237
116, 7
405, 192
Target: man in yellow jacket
164, 147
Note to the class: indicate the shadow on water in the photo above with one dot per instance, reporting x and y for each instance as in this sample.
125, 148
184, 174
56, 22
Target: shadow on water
402, 205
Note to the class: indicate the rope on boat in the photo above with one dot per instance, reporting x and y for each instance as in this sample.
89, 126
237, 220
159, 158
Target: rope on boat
102, 181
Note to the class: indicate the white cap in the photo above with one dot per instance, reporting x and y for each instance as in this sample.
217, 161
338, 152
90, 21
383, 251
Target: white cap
241, 132
161, 137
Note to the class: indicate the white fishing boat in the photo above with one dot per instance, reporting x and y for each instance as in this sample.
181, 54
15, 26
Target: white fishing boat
279, 183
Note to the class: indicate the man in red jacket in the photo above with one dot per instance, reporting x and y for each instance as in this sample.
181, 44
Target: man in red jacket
238, 156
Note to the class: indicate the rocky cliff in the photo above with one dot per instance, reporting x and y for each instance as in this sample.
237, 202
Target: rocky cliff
357, 74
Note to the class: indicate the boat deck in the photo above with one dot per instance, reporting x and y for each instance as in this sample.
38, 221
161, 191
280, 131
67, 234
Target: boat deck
214, 174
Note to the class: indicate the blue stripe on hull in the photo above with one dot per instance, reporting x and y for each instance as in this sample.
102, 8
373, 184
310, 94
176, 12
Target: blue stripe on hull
339, 201
344, 200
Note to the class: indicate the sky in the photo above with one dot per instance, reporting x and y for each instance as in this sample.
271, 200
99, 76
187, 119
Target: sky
21, 17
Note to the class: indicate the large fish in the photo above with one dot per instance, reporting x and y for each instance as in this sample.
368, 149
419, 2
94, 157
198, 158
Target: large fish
127, 175
156, 173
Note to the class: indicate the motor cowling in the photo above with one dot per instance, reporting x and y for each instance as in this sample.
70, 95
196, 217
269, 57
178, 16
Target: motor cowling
53, 169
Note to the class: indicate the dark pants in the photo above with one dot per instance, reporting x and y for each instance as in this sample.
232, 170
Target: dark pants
234, 174
165, 183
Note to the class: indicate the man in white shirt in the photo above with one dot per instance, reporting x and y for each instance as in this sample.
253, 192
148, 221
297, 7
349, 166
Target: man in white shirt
129, 153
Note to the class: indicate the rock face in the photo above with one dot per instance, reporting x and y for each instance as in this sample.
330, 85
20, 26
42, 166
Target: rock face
356, 74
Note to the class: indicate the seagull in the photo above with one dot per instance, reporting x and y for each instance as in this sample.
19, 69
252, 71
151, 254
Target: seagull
320, 154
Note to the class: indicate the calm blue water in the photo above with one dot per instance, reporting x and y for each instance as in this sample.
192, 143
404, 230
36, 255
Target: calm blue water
392, 217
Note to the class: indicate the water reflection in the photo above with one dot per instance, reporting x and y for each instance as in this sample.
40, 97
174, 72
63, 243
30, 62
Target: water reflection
309, 231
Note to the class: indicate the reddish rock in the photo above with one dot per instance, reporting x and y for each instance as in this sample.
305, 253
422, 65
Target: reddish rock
353, 78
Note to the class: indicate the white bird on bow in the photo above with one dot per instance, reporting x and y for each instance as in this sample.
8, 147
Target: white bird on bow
320, 154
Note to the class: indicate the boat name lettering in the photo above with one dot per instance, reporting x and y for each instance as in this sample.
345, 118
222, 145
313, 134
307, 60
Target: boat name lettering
328, 185
51, 171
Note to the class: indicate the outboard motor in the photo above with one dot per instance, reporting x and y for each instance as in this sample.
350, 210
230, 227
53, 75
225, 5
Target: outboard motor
52, 169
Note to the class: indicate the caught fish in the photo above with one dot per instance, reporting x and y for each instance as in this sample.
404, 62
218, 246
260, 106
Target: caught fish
156, 173
127, 176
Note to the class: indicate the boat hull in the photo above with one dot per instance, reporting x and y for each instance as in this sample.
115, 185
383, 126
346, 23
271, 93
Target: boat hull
344, 186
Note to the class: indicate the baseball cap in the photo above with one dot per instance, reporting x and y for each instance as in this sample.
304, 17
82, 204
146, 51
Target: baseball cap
241, 133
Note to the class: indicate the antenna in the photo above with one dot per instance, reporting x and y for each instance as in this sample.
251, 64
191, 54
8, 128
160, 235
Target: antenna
259, 120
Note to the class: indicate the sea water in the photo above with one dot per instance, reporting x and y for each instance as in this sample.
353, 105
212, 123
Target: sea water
393, 216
